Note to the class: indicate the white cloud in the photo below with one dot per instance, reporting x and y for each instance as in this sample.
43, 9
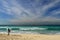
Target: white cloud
40, 11
46, 7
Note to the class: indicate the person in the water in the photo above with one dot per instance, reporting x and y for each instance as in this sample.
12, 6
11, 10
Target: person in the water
9, 31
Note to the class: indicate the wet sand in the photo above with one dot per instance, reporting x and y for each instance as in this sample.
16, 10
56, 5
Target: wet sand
29, 37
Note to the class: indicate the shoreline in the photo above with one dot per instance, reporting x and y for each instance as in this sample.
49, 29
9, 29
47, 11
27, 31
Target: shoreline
15, 33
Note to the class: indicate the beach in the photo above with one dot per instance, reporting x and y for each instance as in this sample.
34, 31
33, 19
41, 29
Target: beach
30, 33
29, 37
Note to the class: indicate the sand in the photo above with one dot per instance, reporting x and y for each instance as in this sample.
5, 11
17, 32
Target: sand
29, 37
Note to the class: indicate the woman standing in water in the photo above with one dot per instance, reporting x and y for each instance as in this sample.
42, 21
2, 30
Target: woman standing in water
9, 31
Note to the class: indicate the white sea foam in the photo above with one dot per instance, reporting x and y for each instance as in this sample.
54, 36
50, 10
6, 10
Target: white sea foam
31, 32
33, 28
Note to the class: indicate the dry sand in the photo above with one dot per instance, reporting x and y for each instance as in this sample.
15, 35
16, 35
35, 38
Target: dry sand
29, 37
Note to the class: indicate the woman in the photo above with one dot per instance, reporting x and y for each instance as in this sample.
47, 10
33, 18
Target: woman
9, 31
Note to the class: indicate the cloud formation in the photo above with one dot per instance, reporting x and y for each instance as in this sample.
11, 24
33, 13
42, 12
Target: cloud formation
29, 12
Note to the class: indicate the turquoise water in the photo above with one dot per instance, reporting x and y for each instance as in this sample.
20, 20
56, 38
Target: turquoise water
32, 29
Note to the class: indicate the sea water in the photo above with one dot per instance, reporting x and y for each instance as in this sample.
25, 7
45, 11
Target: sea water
31, 29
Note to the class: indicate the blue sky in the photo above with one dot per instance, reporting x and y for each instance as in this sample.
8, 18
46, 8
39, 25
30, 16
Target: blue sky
29, 12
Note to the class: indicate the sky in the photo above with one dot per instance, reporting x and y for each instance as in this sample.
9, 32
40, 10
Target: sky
29, 12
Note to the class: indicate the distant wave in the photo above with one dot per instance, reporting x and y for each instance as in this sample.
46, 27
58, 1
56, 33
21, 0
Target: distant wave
33, 28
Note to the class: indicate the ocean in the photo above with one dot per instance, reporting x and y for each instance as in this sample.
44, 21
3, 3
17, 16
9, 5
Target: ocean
31, 29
